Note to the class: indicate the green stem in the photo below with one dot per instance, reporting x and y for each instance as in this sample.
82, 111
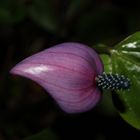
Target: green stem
102, 49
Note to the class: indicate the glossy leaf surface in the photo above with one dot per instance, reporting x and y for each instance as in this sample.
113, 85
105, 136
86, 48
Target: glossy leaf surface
126, 61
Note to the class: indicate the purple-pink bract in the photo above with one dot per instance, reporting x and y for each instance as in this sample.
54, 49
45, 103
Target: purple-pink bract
67, 71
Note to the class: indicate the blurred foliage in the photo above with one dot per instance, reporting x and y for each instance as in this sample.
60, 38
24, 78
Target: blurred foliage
12, 11
28, 26
44, 135
46, 14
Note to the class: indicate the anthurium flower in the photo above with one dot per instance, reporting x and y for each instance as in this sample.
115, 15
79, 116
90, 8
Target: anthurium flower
67, 71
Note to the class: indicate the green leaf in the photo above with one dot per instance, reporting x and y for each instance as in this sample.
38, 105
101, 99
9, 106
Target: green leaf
126, 61
46, 134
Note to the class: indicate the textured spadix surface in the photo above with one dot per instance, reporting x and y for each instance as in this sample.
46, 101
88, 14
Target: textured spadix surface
67, 71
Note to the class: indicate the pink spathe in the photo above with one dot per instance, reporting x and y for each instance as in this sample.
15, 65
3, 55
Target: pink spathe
67, 71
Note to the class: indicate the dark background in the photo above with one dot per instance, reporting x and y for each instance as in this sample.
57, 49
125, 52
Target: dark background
29, 26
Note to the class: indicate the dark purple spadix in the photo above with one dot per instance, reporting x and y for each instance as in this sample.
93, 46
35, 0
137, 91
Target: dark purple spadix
113, 81
67, 71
